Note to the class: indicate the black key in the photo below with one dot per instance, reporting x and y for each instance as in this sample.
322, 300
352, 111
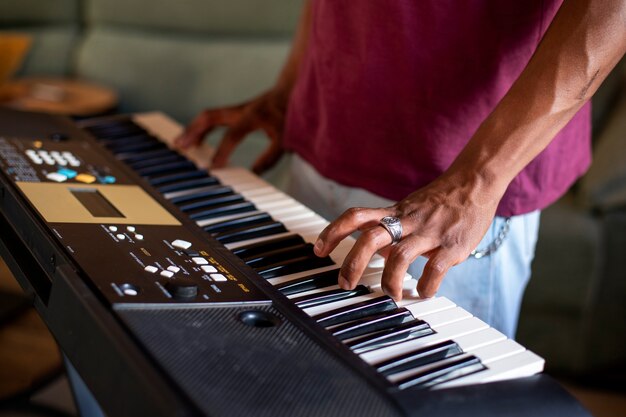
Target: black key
171, 167
116, 130
293, 266
112, 123
133, 157
371, 324
325, 297
160, 160
237, 223
202, 202
138, 146
312, 282
443, 373
406, 331
113, 142
179, 176
356, 311
420, 357
252, 231
268, 245
278, 255
188, 184
198, 193
221, 210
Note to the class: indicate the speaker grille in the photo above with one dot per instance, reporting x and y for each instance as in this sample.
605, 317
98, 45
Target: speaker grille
232, 369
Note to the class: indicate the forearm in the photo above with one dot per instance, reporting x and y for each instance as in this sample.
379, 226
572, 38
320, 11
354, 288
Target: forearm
584, 42
289, 73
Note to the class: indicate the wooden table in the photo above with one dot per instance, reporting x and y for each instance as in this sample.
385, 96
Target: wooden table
71, 97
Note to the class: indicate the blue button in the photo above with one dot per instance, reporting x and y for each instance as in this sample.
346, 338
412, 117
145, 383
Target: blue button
69, 173
109, 179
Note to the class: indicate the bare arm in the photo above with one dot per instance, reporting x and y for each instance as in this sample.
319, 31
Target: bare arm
445, 220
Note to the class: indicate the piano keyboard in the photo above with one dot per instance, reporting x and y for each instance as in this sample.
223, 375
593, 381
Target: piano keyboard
428, 344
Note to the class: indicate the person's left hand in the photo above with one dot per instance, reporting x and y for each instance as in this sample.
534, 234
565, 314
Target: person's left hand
443, 221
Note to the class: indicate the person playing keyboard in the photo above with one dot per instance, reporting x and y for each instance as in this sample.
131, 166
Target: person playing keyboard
438, 130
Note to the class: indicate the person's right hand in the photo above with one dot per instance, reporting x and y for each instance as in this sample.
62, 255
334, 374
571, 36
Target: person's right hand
265, 112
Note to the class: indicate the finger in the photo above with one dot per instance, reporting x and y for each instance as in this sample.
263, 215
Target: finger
439, 262
192, 137
232, 138
398, 261
350, 221
272, 154
204, 123
268, 158
360, 255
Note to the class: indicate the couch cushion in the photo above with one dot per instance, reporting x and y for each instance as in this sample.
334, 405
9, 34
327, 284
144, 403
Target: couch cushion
51, 50
54, 26
38, 11
179, 74
241, 17
567, 259
604, 185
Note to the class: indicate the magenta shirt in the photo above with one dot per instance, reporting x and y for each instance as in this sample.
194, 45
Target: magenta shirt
389, 92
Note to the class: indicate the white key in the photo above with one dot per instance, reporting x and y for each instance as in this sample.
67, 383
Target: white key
291, 209
488, 354
520, 365
447, 332
422, 307
261, 191
167, 274
189, 191
473, 341
274, 204
151, 269
207, 222
443, 317
497, 351
313, 311
294, 216
371, 275
235, 245
173, 268
309, 234
263, 195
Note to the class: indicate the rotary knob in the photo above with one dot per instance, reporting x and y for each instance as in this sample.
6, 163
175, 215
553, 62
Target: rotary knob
183, 291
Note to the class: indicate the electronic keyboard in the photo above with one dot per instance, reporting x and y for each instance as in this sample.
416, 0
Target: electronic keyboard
177, 290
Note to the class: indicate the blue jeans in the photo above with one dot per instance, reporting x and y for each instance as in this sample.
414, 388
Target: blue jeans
491, 288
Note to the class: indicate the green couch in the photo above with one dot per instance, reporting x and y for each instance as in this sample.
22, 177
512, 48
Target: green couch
180, 56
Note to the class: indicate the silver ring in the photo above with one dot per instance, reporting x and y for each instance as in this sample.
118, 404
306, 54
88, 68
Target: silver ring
393, 226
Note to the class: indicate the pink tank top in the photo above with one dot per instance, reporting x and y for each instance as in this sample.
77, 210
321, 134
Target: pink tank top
389, 92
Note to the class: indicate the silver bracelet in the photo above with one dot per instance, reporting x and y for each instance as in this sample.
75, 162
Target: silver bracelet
495, 244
